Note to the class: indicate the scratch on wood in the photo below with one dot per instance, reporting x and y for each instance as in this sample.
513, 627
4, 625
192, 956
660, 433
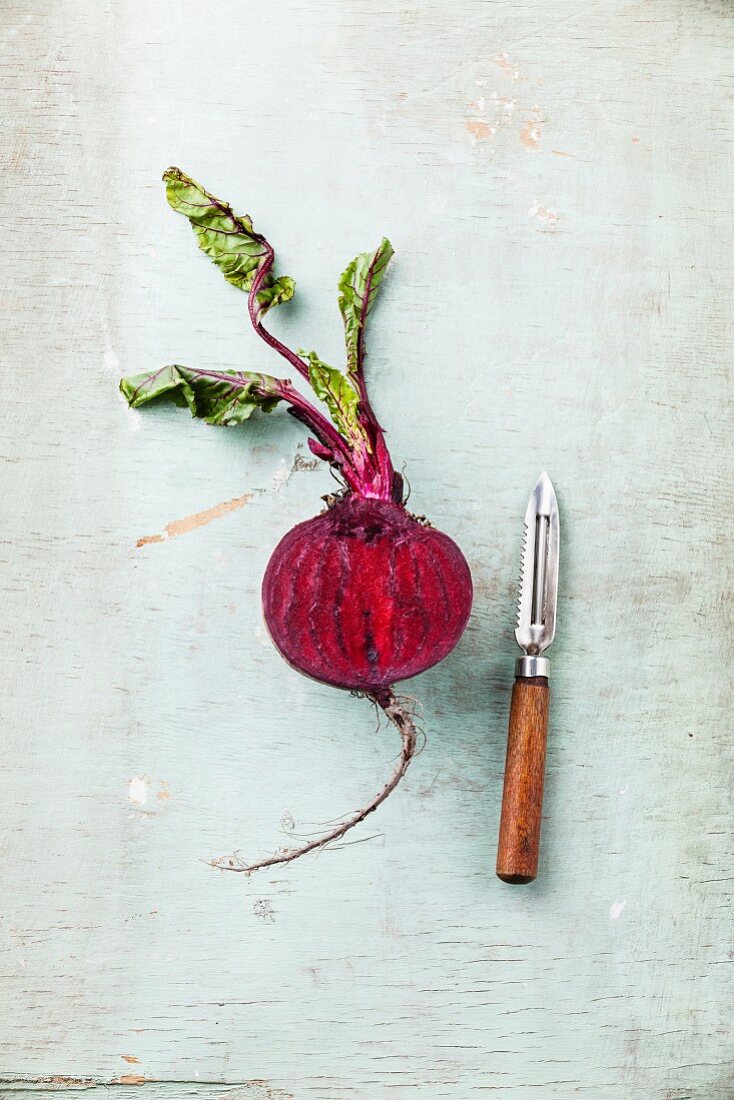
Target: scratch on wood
198, 519
53, 1082
257, 1090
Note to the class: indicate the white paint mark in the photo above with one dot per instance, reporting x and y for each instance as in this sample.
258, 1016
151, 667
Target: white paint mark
134, 416
545, 215
281, 476
616, 910
20, 945
623, 790
111, 362
111, 365
136, 419
221, 560
137, 792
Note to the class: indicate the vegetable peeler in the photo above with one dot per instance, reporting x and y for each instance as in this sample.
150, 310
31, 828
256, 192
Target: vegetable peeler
522, 797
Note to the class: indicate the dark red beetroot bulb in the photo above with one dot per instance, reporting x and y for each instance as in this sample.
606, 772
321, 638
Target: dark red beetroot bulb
364, 595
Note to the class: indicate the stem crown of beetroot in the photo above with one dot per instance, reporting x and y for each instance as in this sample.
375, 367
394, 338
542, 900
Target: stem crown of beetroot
364, 595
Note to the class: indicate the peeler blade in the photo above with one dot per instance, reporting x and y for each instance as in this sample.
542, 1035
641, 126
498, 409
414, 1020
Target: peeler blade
538, 591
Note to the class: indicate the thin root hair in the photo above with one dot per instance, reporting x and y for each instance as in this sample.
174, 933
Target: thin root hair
400, 713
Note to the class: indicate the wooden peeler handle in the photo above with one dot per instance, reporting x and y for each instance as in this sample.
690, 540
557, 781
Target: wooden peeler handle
522, 798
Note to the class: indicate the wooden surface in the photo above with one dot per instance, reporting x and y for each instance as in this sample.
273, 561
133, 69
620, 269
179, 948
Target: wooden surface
518, 847
556, 179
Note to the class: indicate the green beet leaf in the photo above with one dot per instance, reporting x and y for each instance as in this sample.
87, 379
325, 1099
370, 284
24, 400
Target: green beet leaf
338, 394
358, 287
218, 397
228, 239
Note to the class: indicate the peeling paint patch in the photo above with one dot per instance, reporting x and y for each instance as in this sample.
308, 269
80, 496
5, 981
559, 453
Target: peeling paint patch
129, 1079
162, 794
531, 130
502, 61
505, 103
489, 116
130, 1059
198, 519
479, 129
530, 134
137, 791
616, 910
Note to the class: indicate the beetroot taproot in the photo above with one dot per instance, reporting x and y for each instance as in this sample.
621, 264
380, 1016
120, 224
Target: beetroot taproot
365, 594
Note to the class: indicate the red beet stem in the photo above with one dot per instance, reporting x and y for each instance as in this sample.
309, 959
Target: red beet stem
400, 716
367, 469
255, 311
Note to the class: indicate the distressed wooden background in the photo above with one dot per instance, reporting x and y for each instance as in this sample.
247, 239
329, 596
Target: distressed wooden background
556, 179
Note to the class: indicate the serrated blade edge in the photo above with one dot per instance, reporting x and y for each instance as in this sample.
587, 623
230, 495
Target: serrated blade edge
541, 516
523, 569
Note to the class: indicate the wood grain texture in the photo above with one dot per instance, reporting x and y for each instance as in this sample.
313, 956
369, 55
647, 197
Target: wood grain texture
556, 179
518, 847
71, 1088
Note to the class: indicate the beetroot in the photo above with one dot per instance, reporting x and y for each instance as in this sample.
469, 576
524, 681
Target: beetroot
364, 595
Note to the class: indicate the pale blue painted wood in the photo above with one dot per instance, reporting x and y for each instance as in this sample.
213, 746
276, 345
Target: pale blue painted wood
554, 178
